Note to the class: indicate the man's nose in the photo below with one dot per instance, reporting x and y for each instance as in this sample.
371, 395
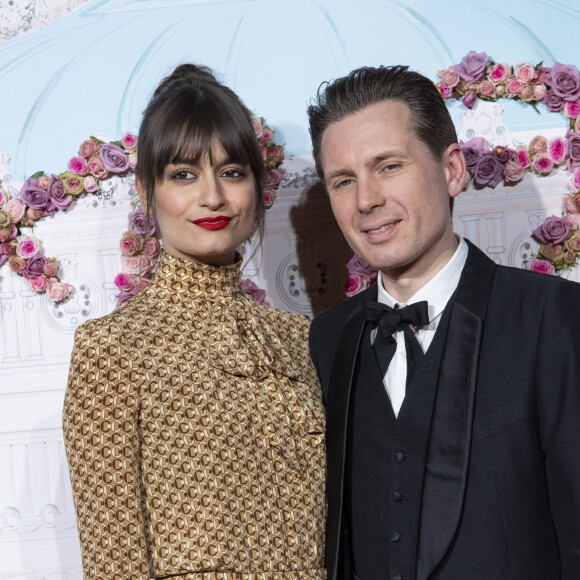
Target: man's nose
370, 195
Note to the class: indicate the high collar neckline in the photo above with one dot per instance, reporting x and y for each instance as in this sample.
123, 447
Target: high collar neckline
188, 276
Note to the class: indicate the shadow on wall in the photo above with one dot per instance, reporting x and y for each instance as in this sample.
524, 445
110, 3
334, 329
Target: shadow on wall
322, 250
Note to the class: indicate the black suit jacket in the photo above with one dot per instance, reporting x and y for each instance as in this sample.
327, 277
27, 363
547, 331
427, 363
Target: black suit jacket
501, 487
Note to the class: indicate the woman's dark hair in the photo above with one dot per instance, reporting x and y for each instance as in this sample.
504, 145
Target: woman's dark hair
188, 111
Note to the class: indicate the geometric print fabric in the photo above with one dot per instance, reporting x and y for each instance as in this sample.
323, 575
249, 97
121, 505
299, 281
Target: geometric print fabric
194, 431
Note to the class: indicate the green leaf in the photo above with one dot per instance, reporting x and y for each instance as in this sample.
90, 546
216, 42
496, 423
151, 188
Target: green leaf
37, 175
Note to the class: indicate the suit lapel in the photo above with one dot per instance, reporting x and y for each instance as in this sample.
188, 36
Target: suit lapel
337, 410
450, 439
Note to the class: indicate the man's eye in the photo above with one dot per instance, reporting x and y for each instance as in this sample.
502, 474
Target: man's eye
391, 167
342, 183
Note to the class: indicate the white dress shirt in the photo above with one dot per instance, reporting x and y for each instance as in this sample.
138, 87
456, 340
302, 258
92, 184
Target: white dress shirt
437, 292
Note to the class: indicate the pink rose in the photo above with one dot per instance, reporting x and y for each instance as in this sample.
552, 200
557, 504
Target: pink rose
569, 257
513, 87
572, 203
58, 291
541, 266
151, 249
269, 197
524, 72
527, 92
16, 264
500, 73
539, 91
445, 91
5, 235
5, 219
141, 283
15, 209
27, 246
8, 249
469, 99
34, 214
136, 265
355, 284
542, 164
88, 148
97, 168
575, 180
258, 128
263, 150
132, 157
43, 182
574, 219
449, 77
267, 135
4, 197
557, 150
486, 89
523, 158
90, 184
123, 281
131, 244
50, 267
129, 142
538, 144
572, 109
513, 171
38, 284
78, 165
577, 125
275, 154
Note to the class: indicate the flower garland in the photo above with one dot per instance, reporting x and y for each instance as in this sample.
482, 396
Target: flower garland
44, 195
140, 248
558, 88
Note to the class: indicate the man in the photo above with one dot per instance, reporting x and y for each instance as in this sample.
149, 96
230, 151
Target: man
453, 427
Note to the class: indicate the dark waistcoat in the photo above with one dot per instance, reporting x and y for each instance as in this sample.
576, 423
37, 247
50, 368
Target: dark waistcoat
386, 462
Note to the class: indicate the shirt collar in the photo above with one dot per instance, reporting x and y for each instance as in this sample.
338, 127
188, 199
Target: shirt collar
438, 290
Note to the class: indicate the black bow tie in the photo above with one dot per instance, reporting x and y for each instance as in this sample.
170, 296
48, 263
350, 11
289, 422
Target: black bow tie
389, 321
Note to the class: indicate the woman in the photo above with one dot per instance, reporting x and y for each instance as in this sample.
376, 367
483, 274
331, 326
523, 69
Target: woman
193, 418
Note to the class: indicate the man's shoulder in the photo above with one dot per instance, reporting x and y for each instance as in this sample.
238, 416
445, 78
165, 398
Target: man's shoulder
339, 313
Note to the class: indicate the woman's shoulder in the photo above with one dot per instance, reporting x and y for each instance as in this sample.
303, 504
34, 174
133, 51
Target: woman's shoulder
289, 320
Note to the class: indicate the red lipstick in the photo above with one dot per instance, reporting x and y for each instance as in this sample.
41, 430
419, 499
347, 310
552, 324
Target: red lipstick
213, 223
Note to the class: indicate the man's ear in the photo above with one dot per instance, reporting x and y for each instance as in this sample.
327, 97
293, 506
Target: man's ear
455, 169
142, 196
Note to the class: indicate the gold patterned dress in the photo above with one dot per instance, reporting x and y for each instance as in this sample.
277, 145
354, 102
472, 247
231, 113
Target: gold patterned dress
194, 432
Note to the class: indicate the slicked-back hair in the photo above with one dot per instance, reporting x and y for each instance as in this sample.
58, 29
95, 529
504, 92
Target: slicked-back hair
189, 111
429, 117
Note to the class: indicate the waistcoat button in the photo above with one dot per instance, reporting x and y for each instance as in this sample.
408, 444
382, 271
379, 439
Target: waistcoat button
399, 457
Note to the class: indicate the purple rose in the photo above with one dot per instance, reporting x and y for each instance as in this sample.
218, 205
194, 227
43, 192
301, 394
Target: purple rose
472, 66
469, 99
356, 266
139, 224
573, 160
553, 101
114, 159
61, 198
273, 178
37, 198
488, 171
504, 154
554, 230
543, 74
34, 267
565, 81
254, 291
472, 151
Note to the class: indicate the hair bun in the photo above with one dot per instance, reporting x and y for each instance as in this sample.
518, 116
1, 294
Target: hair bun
187, 73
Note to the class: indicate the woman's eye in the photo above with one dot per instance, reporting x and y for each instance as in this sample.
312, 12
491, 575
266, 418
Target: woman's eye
182, 175
233, 173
